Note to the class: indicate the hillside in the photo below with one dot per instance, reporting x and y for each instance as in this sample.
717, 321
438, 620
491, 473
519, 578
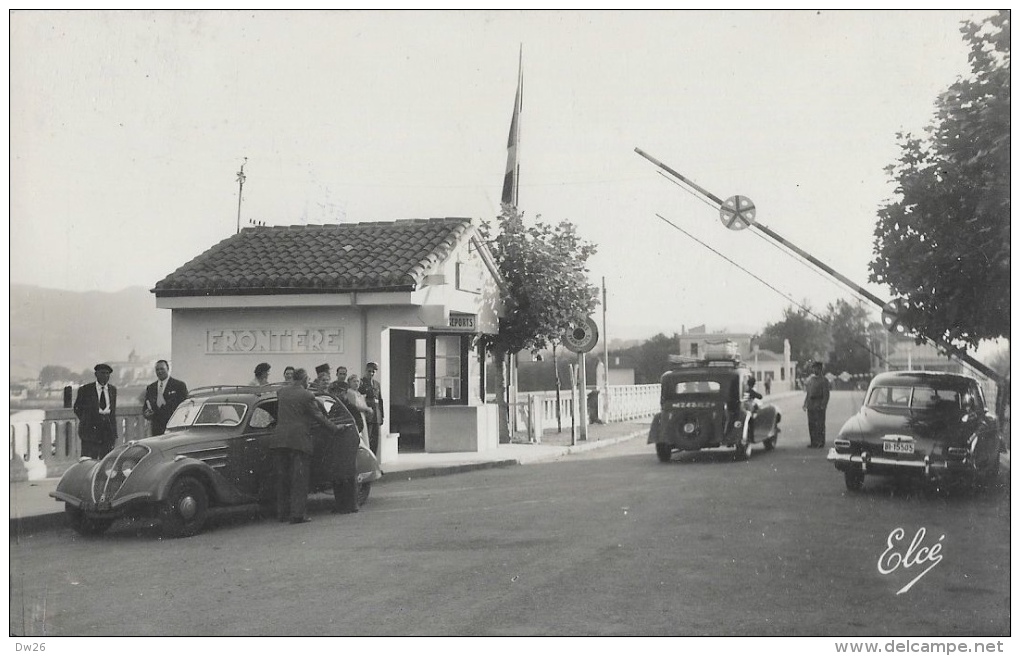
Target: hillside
79, 329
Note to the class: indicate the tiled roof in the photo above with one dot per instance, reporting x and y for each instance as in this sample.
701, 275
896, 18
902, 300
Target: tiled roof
301, 259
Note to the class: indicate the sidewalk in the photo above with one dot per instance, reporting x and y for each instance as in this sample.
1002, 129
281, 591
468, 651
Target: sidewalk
32, 509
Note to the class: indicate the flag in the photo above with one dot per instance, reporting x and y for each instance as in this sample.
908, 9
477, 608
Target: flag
513, 141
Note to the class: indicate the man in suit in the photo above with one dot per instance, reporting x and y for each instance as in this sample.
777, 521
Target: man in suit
291, 445
162, 397
96, 409
373, 395
816, 400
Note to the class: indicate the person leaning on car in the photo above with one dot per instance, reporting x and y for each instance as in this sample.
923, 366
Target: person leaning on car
96, 409
162, 397
291, 445
816, 400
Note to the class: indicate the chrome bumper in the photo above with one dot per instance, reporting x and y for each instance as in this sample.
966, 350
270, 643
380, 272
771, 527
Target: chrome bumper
865, 461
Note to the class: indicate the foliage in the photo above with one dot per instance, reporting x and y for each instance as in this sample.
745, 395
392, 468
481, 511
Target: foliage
650, 358
55, 373
809, 336
544, 268
849, 331
943, 243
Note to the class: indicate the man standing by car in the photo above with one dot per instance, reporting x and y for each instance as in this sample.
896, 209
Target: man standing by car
292, 447
96, 409
816, 400
162, 397
373, 395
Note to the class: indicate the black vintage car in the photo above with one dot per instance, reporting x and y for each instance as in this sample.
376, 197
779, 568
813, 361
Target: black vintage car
706, 404
214, 453
920, 424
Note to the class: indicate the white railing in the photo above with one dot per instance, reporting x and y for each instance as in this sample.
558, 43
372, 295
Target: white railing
625, 403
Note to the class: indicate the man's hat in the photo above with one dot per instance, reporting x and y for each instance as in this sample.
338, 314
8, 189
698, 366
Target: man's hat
372, 365
261, 368
104, 367
322, 368
816, 363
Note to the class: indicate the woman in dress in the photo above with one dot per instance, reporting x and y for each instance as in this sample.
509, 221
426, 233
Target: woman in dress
357, 404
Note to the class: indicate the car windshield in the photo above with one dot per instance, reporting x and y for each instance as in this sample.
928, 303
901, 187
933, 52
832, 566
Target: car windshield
199, 412
915, 398
695, 386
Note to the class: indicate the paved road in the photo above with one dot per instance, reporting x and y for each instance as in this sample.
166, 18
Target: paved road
608, 542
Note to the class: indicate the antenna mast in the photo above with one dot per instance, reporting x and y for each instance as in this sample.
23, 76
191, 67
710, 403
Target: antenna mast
240, 188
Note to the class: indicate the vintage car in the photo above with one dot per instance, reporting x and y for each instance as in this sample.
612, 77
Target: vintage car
921, 424
214, 453
705, 404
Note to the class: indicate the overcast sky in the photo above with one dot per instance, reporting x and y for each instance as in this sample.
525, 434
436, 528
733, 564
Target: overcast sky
128, 129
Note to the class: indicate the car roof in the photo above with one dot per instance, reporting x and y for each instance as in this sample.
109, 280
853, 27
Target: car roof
922, 378
237, 393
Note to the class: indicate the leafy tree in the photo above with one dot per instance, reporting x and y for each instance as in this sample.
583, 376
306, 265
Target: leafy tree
943, 243
848, 326
55, 373
545, 271
809, 337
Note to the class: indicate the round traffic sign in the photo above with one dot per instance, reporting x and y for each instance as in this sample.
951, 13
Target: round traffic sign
737, 212
582, 337
892, 313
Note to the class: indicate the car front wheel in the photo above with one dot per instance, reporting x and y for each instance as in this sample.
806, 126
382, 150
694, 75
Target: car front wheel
363, 491
854, 480
184, 512
82, 525
664, 451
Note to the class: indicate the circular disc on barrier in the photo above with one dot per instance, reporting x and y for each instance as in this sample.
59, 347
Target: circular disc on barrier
891, 316
737, 212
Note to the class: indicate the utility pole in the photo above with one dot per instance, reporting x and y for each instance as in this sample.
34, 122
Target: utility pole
240, 188
605, 353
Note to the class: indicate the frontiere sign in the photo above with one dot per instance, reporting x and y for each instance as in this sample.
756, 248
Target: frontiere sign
289, 340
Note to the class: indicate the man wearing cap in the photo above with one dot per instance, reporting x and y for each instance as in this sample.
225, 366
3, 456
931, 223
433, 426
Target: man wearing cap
162, 397
321, 382
373, 395
816, 400
96, 409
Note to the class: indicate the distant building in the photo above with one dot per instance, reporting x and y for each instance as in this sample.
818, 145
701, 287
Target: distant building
907, 355
778, 369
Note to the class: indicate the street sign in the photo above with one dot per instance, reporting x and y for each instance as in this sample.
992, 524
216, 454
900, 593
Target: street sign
582, 337
737, 212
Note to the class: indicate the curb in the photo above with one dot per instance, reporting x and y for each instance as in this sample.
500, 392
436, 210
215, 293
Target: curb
21, 526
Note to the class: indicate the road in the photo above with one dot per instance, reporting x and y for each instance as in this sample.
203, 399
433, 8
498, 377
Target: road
609, 542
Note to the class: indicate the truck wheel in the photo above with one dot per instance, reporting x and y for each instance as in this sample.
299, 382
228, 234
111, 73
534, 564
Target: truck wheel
664, 451
82, 525
854, 480
184, 512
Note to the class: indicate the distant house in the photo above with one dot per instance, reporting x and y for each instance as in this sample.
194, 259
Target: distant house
19, 392
778, 369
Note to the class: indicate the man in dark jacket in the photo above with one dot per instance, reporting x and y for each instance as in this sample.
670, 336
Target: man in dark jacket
373, 396
162, 397
96, 409
816, 400
291, 445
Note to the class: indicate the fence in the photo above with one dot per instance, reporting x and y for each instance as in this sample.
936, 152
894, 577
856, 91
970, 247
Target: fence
43, 444
536, 411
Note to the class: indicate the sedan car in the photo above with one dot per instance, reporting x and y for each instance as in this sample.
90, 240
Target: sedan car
214, 453
707, 404
921, 424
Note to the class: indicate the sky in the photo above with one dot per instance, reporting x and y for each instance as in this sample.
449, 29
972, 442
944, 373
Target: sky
128, 130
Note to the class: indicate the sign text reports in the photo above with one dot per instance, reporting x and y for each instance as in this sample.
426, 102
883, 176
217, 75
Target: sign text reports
296, 340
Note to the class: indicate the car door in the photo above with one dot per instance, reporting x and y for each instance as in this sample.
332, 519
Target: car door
253, 470
986, 451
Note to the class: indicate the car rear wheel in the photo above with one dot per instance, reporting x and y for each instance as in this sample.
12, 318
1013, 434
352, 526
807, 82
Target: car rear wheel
770, 443
854, 480
363, 491
184, 512
82, 525
664, 451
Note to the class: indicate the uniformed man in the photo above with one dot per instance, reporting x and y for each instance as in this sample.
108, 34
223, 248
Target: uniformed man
816, 400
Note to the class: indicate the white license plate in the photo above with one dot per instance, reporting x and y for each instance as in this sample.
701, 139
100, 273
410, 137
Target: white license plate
898, 447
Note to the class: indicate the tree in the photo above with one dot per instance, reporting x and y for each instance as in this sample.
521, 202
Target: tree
55, 373
547, 289
848, 327
809, 337
943, 243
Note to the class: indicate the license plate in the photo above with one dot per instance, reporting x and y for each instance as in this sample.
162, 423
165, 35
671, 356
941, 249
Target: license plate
898, 447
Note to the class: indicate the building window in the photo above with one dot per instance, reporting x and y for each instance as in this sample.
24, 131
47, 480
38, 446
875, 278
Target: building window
694, 349
446, 369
